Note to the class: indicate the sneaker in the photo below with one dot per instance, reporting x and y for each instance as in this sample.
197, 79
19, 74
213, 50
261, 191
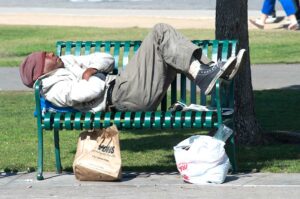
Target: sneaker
206, 78
258, 23
271, 18
231, 72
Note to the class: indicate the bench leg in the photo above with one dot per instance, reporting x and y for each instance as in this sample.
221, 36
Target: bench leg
57, 152
40, 154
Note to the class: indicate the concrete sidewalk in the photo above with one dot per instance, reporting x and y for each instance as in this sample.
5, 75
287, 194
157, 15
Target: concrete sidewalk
270, 76
151, 185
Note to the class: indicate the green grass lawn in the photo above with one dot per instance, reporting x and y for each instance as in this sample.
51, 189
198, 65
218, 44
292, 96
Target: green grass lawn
274, 46
142, 150
146, 150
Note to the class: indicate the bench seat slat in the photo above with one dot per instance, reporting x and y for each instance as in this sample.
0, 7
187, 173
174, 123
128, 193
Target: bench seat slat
157, 120
137, 120
88, 121
68, 121
127, 120
56, 122
77, 121
118, 120
97, 120
147, 120
167, 120
188, 120
47, 121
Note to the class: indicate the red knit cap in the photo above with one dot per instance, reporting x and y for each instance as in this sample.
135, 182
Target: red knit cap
32, 68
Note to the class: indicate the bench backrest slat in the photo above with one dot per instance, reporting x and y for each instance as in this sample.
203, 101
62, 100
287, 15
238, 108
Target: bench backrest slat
174, 91
78, 48
68, 47
183, 88
193, 93
116, 56
126, 54
88, 46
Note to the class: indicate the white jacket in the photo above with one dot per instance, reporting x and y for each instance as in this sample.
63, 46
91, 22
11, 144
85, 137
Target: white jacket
65, 87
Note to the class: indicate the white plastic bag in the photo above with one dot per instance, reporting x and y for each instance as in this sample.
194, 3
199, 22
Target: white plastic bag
202, 159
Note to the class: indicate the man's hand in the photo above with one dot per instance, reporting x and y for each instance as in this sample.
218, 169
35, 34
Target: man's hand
88, 73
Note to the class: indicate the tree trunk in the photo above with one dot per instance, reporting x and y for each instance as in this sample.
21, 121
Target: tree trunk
232, 23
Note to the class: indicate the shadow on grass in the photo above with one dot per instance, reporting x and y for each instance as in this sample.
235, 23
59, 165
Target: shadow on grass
155, 139
278, 109
271, 158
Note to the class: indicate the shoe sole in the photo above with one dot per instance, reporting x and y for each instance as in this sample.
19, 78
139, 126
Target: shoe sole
218, 75
239, 59
256, 24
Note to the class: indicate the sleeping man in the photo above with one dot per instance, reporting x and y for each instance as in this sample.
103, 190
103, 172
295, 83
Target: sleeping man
84, 82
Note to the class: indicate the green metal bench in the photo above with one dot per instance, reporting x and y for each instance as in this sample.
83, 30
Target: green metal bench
180, 90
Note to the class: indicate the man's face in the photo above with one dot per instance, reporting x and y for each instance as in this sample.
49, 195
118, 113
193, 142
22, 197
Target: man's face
52, 62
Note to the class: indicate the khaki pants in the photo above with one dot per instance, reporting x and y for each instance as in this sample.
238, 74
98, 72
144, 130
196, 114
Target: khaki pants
146, 78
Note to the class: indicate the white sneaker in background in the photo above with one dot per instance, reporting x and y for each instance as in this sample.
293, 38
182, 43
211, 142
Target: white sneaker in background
271, 19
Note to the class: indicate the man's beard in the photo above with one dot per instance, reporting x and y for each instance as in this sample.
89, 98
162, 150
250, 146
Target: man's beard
60, 64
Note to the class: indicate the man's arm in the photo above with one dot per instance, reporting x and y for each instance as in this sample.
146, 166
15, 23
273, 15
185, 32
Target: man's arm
102, 62
88, 73
69, 93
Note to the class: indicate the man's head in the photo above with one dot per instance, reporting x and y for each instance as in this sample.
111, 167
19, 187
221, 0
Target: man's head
36, 64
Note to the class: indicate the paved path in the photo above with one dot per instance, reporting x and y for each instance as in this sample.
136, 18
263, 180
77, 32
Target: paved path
278, 76
151, 185
99, 17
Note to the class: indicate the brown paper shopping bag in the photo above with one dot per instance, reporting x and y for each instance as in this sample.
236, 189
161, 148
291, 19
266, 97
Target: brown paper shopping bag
98, 155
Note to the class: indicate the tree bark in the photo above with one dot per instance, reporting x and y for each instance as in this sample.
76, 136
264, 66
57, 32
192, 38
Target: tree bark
232, 23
